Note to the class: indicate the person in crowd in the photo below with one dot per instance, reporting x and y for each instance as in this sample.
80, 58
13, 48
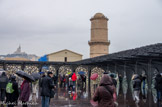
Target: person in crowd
115, 84
34, 91
120, 81
136, 87
104, 93
113, 79
12, 93
3, 83
42, 75
79, 82
55, 79
25, 92
158, 86
95, 83
120, 78
62, 80
144, 82
47, 92
70, 85
83, 81
74, 78
67, 81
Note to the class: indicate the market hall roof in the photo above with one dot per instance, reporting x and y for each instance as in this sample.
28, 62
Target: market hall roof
146, 52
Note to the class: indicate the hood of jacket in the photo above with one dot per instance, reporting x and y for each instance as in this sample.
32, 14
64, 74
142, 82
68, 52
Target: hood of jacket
106, 80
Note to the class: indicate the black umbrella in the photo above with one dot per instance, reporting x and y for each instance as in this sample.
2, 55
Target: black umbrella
25, 75
36, 76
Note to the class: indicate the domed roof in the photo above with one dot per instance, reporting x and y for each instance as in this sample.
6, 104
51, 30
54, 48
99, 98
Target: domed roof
99, 15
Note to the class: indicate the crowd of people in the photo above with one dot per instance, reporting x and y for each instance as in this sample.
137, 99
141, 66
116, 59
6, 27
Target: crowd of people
69, 81
139, 86
105, 94
12, 93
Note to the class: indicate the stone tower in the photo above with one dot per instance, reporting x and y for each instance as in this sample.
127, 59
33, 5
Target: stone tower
99, 43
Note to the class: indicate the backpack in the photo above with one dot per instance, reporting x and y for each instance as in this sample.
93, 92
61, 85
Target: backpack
9, 88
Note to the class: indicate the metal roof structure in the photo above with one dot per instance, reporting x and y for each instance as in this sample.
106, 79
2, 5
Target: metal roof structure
142, 53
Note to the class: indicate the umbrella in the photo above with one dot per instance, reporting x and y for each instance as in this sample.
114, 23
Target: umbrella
69, 73
94, 76
113, 75
25, 75
41, 73
45, 67
93, 103
135, 76
81, 73
36, 76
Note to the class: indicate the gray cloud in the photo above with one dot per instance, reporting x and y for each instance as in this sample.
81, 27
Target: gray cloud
43, 27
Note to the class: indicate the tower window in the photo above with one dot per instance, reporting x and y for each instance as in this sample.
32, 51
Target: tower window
65, 59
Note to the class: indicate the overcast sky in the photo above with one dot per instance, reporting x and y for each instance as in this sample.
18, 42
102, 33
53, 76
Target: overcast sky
46, 26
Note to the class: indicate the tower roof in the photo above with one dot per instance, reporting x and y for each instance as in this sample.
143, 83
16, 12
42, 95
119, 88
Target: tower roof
99, 16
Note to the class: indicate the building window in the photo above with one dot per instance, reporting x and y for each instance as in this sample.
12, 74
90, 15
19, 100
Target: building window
65, 59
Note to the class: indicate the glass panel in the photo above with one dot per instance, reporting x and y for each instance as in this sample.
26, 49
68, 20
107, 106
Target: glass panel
124, 85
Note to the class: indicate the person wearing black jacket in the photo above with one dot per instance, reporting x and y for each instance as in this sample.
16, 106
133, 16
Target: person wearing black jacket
143, 81
40, 80
114, 80
3, 83
47, 85
55, 79
158, 86
11, 98
136, 87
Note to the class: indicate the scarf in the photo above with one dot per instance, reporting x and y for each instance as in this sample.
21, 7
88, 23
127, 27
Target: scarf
22, 85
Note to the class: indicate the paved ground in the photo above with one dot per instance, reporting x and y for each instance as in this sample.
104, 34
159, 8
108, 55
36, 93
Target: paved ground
82, 99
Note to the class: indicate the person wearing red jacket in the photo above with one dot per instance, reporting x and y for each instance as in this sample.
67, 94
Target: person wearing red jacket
74, 78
